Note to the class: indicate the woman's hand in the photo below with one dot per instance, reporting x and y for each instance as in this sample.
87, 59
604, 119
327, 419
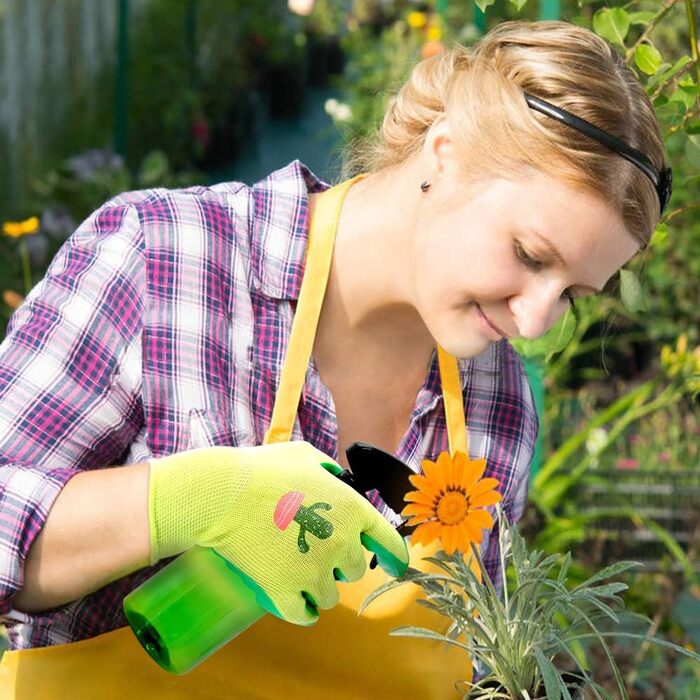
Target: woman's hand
278, 515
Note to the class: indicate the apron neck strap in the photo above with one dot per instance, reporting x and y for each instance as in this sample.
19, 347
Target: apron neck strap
453, 401
319, 254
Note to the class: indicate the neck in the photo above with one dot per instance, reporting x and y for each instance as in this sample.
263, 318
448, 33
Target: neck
367, 310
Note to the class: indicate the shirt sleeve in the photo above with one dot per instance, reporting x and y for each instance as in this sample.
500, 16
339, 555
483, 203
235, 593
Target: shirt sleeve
69, 378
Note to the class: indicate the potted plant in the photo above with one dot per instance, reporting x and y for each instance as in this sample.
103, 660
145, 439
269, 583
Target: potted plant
530, 641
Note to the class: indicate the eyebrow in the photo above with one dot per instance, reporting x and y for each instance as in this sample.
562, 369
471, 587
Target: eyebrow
558, 257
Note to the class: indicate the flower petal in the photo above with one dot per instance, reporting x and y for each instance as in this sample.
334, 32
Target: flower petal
481, 518
419, 497
449, 537
471, 532
430, 470
446, 467
418, 509
489, 498
426, 533
423, 484
483, 485
473, 472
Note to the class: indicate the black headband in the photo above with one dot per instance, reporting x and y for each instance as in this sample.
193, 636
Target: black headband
662, 180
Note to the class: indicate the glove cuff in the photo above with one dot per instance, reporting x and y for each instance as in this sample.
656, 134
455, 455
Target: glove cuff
186, 495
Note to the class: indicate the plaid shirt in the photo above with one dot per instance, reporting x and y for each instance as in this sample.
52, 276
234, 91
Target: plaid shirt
162, 325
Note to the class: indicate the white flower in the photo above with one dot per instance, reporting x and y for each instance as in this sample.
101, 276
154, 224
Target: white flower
343, 113
596, 442
330, 106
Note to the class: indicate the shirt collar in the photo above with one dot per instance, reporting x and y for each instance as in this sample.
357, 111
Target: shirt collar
280, 227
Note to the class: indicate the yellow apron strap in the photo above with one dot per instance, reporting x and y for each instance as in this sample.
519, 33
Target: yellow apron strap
454, 402
313, 289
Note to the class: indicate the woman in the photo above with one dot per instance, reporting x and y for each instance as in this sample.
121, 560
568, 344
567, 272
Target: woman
507, 181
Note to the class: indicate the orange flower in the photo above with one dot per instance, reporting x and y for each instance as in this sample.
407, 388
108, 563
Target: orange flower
450, 502
431, 48
12, 299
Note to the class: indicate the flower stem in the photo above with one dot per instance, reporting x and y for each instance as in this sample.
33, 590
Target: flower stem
26, 267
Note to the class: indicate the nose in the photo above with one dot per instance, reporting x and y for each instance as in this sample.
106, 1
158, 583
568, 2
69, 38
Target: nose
536, 310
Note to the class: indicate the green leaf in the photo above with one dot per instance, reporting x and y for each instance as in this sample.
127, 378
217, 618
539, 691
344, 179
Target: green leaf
631, 291
549, 344
687, 96
154, 168
519, 4
550, 675
608, 572
672, 112
641, 638
612, 24
641, 17
693, 126
648, 59
667, 72
483, 4
660, 236
673, 547
692, 151
423, 633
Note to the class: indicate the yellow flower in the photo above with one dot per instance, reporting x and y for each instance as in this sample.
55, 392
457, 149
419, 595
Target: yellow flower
416, 20
17, 229
450, 502
682, 364
434, 33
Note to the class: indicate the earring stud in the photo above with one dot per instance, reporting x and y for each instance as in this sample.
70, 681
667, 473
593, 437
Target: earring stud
424, 186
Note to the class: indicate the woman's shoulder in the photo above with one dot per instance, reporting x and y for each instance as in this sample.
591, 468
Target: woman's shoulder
265, 224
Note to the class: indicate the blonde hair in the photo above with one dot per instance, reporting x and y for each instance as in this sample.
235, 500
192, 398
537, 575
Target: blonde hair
481, 92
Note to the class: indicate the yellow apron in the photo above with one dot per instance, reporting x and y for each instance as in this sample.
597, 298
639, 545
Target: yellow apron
343, 656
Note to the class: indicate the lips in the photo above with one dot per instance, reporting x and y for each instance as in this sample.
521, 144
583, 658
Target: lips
498, 330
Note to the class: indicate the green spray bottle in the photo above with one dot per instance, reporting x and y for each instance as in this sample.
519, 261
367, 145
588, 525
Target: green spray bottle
200, 601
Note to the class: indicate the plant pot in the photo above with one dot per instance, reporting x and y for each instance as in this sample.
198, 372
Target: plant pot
573, 683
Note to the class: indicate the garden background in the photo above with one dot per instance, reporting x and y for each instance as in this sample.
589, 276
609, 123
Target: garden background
100, 97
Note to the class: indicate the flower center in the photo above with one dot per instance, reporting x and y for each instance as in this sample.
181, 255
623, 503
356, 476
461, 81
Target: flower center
452, 508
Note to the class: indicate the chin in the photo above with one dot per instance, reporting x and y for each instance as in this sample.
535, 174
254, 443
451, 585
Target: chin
465, 348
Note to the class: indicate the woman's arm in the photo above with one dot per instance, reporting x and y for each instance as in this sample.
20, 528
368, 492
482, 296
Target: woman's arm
70, 403
97, 531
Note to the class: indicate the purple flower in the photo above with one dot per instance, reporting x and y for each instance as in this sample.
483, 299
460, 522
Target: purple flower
84, 166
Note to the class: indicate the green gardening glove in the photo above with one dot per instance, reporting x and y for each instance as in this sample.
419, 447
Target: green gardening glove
278, 514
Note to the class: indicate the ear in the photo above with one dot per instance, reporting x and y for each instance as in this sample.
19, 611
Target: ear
438, 148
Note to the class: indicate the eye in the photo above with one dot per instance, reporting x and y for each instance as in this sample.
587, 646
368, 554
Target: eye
536, 265
527, 259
